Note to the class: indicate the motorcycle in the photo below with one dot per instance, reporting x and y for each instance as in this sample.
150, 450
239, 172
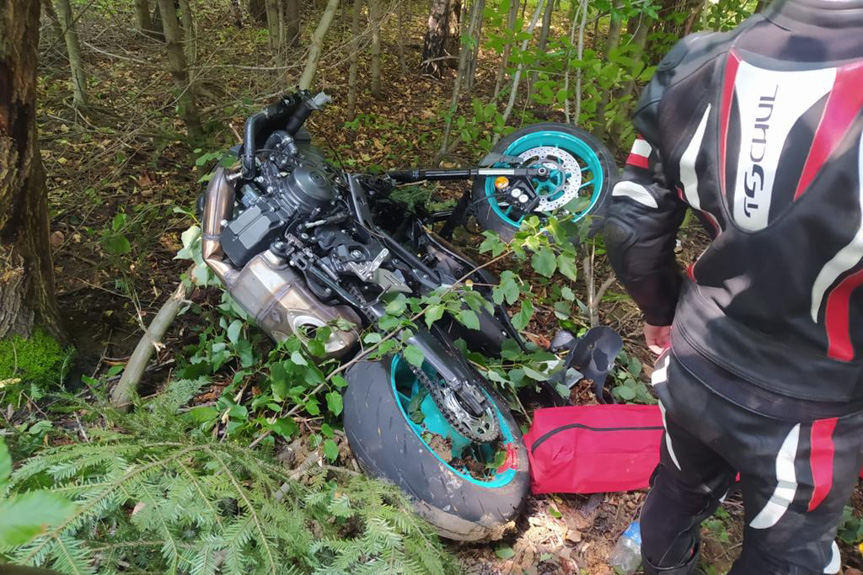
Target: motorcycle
302, 245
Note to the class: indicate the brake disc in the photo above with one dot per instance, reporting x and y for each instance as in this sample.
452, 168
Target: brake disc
564, 179
482, 429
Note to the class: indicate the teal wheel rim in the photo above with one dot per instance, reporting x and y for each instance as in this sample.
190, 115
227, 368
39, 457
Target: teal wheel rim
591, 172
405, 387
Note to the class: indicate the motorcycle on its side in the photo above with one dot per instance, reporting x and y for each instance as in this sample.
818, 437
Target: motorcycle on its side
301, 245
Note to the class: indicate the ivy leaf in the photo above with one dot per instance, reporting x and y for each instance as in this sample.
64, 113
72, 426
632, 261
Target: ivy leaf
331, 450
234, 331
508, 290
567, 266
468, 319
334, 402
434, 313
544, 262
522, 318
414, 355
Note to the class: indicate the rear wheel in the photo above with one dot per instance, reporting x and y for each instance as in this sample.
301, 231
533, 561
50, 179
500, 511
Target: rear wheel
468, 491
579, 176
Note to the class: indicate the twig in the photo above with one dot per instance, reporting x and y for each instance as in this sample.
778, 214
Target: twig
81, 428
126, 388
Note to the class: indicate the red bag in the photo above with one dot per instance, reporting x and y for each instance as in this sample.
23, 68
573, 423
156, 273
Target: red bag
593, 448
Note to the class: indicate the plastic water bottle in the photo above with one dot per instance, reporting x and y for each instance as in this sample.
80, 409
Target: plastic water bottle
626, 556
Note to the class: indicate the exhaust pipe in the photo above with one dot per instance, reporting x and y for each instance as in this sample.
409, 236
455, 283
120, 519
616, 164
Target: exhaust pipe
218, 205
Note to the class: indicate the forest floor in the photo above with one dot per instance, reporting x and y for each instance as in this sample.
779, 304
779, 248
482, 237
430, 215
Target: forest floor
123, 170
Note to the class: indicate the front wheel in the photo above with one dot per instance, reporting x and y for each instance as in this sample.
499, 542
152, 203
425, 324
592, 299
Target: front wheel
467, 491
580, 170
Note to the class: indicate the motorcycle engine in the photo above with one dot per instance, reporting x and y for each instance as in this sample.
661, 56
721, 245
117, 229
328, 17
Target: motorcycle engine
293, 183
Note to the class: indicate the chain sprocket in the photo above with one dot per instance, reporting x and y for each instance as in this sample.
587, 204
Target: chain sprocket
482, 429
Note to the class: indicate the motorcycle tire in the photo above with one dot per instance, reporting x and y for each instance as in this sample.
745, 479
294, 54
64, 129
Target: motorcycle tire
596, 164
391, 447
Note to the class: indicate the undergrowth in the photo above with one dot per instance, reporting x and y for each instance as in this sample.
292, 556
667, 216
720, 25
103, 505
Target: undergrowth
31, 365
153, 493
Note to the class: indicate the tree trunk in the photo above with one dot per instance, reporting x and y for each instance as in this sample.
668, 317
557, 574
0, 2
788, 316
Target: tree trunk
142, 17
53, 22
292, 23
456, 93
376, 23
639, 41
452, 42
612, 43
317, 43
73, 49
354, 58
401, 36
27, 297
512, 18
476, 37
273, 23
513, 93
237, 12
258, 10
433, 46
178, 68
188, 30
543, 39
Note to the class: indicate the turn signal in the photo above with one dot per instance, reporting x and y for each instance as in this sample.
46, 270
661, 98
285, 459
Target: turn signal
501, 182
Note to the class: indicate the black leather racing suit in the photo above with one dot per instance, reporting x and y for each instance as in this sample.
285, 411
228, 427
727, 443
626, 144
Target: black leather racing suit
760, 132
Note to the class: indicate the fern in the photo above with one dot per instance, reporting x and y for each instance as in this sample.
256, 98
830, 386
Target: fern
156, 495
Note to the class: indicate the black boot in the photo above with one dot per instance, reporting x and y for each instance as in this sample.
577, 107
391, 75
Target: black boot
690, 567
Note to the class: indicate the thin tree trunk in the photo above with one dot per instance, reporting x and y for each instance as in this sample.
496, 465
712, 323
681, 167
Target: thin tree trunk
433, 46
376, 22
73, 49
292, 23
639, 41
178, 68
142, 17
517, 78
512, 18
575, 31
273, 24
354, 58
237, 12
452, 42
476, 38
53, 21
612, 44
317, 42
188, 22
453, 106
543, 38
27, 297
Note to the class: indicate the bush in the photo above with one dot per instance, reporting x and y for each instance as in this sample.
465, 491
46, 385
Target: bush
37, 361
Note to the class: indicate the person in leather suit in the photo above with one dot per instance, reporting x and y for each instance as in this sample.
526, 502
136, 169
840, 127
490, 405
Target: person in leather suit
759, 131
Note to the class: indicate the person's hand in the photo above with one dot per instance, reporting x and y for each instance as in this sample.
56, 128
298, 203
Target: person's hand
658, 337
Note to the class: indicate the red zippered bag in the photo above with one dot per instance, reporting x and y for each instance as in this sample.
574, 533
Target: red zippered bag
593, 448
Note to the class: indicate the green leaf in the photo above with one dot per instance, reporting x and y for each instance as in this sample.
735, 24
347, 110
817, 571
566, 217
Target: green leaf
118, 222
533, 374
505, 552
567, 266
508, 290
27, 516
5, 466
117, 244
285, 427
331, 450
334, 402
397, 306
625, 392
468, 318
434, 313
372, 338
234, 331
544, 262
414, 355
522, 318
298, 359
